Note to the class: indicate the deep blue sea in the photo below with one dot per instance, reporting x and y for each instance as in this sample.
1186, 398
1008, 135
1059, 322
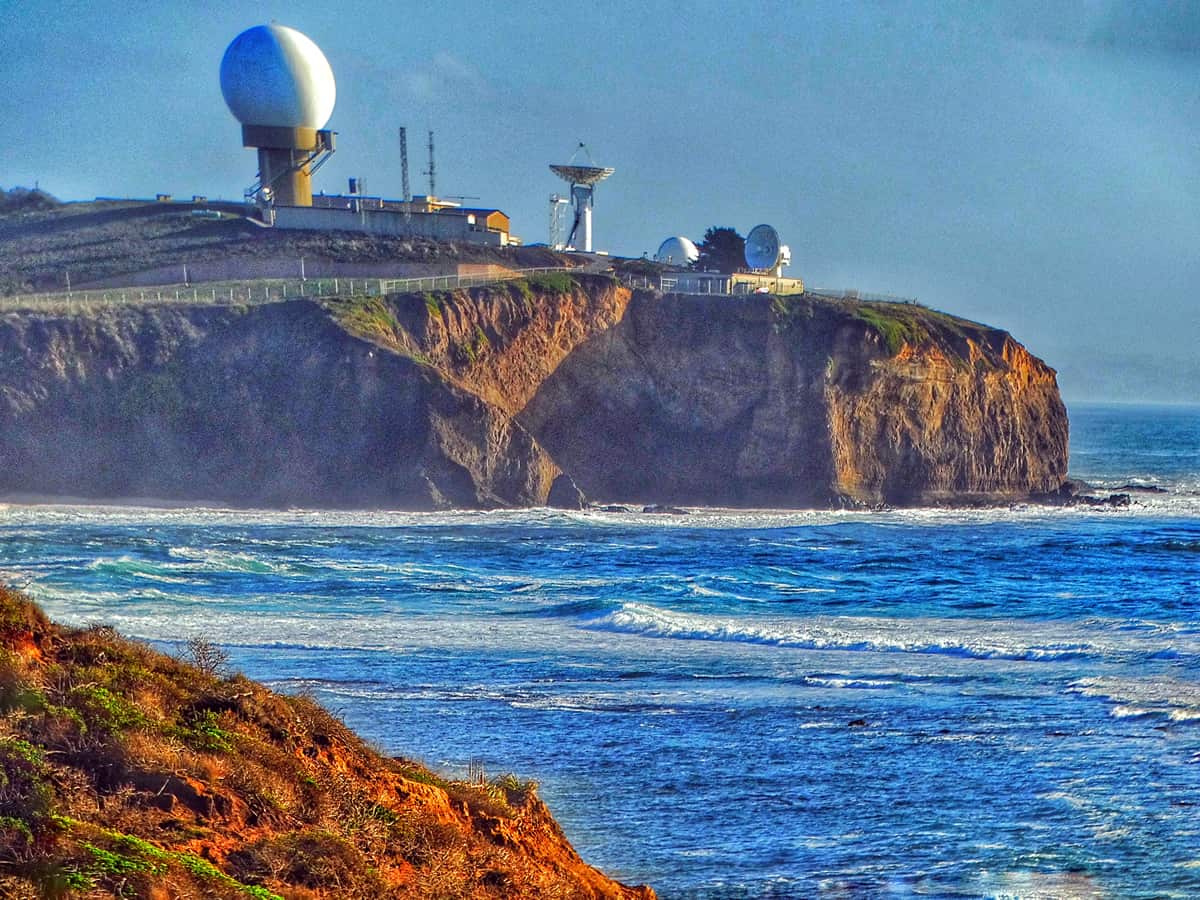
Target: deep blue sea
736, 704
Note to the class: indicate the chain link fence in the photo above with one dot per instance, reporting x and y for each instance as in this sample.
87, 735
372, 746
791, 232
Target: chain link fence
668, 283
275, 290
259, 291
451, 282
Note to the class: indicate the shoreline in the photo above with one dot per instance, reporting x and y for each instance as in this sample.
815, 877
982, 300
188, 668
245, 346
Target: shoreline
1074, 492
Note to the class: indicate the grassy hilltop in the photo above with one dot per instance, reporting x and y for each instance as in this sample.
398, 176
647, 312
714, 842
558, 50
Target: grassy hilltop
128, 773
41, 239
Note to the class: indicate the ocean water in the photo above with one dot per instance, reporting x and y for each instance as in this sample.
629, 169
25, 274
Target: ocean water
736, 704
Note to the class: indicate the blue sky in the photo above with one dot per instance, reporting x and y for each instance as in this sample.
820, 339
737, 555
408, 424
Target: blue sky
1031, 165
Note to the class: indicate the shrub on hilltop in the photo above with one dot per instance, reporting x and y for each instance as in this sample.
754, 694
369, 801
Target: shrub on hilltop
22, 199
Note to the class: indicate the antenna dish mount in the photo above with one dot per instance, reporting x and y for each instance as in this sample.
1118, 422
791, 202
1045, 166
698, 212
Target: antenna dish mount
583, 180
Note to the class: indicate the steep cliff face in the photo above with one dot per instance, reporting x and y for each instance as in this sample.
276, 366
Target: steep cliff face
936, 423
268, 405
520, 392
755, 401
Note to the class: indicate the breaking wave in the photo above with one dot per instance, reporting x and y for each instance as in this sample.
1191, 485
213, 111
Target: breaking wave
974, 639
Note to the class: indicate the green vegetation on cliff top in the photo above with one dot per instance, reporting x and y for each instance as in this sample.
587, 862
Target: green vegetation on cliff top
898, 324
376, 318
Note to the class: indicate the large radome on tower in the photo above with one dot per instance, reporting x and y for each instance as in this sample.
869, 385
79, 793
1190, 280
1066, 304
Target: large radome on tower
275, 76
279, 85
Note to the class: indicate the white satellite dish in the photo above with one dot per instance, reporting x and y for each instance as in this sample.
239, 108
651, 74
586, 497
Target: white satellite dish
763, 249
677, 251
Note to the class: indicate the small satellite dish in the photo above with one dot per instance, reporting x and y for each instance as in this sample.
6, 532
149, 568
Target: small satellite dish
785, 255
677, 251
762, 247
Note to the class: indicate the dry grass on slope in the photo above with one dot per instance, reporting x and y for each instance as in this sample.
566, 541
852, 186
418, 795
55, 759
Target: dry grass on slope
128, 773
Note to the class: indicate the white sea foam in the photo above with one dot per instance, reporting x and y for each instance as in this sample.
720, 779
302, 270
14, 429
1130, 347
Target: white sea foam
1131, 712
1035, 885
1175, 699
850, 683
228, 561
1179, 501
975, 638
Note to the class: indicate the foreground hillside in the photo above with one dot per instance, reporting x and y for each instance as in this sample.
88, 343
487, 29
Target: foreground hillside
127, 773
523, 393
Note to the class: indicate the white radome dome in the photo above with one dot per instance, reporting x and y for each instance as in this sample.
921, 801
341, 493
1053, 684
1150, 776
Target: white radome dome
275, 76
677, 251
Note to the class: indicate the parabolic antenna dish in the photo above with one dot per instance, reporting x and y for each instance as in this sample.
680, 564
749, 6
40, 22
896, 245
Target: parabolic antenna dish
274, 76
762, 247
582, 174
677, 251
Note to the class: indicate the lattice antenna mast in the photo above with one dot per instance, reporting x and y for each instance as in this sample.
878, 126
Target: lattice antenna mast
407, 193
404, 164
558, 210
432, 171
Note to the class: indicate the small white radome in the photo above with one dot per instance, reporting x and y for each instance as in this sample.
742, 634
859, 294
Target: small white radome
677, 251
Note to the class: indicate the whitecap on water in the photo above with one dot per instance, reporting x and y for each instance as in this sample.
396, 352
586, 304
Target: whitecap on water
1175, 699
972, 638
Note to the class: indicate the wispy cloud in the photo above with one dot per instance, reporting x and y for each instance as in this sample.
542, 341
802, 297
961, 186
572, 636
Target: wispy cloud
445, 76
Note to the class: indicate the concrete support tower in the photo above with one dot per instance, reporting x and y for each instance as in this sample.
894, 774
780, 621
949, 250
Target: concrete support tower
279, 85
287, 158
583, 199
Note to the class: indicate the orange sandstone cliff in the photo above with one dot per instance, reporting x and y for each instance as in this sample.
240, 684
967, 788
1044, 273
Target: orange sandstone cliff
518, 394
128, 773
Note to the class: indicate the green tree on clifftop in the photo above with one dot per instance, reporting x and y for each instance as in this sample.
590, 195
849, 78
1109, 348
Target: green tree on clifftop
722, 250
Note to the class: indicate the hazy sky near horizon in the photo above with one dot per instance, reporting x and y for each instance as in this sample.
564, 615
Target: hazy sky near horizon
1031, 165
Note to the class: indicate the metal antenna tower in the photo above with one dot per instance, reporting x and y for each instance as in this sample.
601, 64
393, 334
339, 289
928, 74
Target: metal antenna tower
558, 213
431, 172
404, 164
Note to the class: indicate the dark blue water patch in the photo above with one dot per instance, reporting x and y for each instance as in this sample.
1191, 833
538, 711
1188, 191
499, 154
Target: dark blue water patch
926, 570
572, 609
823, 781
1181, 546
1118, 443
